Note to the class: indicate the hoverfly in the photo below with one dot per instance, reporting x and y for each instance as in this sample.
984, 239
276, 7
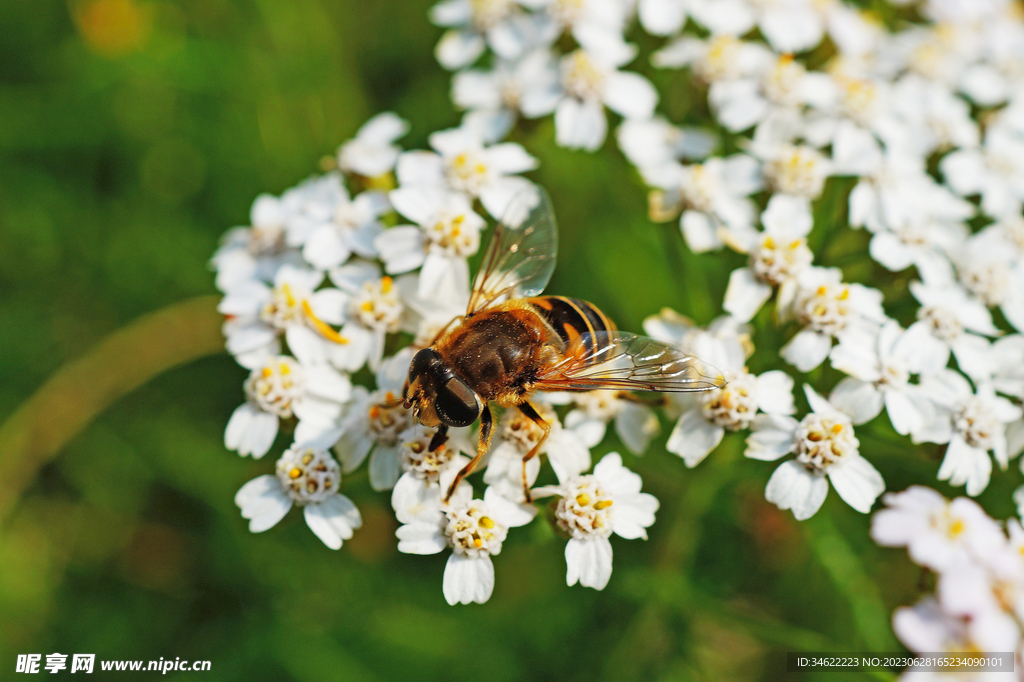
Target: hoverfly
512, 342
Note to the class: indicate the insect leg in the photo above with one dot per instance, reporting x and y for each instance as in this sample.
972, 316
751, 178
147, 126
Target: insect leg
527, 409
482, 445
439, 439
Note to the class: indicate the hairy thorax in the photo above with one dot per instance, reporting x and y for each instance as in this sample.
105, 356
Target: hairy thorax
501, 351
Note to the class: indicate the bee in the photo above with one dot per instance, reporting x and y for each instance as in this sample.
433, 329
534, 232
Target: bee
513, 342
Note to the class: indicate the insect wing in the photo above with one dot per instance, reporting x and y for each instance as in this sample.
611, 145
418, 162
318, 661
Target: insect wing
521, 256
624, 361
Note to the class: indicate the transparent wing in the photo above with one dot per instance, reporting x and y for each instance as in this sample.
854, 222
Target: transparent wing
521, 256
625, 361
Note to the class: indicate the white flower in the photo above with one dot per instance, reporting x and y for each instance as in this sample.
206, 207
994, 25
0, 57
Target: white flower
448, 233
915, 220
281, 389
372, 307
825, 445
474, 529
463, 163
713, 198
592, 507
926, 628
880, 366
635, 423
1008, 365
650, 143
499, 24
732, 408
827, 309
987, 269
779, 86
663, 17
995, 171
590, 81
256, 252
372, 151
972, 423
718, 58
936, 532
516, 434
494, 98
777, 257
377, 422
329, 243
292, 308
951, 320
788, 25
416, 458
794, 169
933, 116
308, 476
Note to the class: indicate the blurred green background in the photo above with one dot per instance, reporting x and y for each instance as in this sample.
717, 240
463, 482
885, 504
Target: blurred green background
133, 133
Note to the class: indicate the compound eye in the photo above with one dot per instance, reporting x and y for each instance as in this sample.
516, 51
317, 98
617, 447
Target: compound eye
422, 363
456, 403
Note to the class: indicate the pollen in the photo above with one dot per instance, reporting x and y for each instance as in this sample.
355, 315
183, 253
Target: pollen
836, 428
769, 243
478, 543
487, 522
267, 372
583, 499
295, 473
603, 504
956, 528
385, 284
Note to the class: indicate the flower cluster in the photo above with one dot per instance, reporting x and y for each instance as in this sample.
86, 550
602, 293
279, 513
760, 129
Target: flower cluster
978, 605
338, 275
915, 126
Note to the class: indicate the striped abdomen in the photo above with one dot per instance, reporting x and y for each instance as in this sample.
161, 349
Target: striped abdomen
571, 317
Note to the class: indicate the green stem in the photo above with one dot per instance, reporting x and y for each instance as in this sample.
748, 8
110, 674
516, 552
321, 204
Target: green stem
84, 388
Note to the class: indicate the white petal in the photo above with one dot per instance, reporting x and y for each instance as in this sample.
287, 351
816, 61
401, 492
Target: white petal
788, 214
616, 478
636, 425
507, 512
591, 431
309, 348
580, 125
588, 562
661, 17
402, 248
775, 392
745, 294
251, 431
793, 487
694, 437
807, 350
630, 94
858, 399
385, 467
420, 538
772, 437
856, 481
325, 249
333, 520
458, 48
700, 231
633, 514
468, 580
263, 502
329, 384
